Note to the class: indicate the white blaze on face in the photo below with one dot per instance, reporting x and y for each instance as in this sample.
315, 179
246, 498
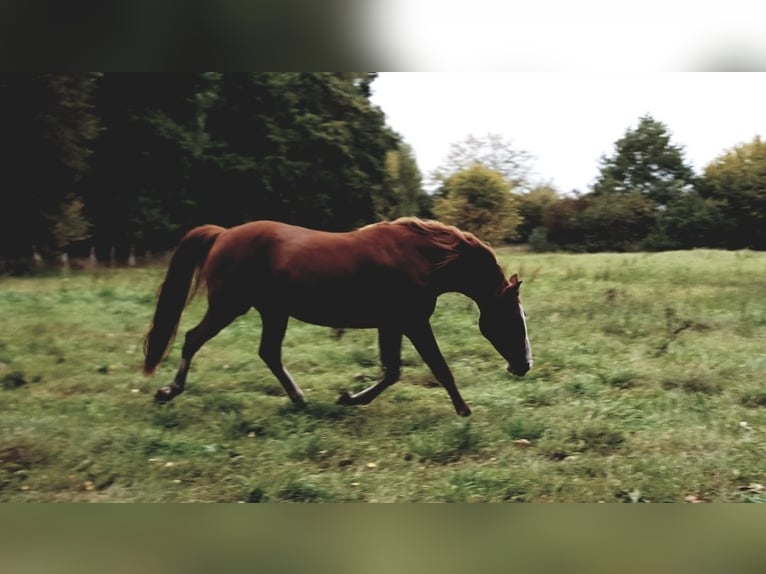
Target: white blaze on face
527, 346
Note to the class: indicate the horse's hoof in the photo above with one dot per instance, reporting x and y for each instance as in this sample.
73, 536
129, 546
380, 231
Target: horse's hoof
164, 395
344, 399
298, 399
299, 403
464, 411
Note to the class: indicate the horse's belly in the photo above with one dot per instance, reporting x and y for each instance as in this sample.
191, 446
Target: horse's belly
353, 308
335, 296
351, 314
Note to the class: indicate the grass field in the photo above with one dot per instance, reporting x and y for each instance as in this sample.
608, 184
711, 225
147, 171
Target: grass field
649, 385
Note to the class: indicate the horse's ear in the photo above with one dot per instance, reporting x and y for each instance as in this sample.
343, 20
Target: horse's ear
513, 284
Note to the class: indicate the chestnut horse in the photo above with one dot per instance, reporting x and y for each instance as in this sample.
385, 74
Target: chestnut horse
385, 276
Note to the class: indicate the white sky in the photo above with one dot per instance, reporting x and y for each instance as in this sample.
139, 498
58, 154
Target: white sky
566, 36
567, 121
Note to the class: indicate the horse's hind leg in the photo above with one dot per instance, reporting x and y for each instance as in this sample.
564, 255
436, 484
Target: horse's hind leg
274, 328
216, 318
390, 343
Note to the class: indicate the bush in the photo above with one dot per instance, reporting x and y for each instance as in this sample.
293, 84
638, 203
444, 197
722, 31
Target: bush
538, 240
478, 199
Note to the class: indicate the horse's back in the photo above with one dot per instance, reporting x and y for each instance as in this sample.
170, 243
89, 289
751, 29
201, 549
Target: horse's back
288, 246
351, 279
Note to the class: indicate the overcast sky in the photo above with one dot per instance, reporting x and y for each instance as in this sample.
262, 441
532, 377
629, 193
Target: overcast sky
568, 120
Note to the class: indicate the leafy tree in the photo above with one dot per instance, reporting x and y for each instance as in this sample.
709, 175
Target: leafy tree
563, 221
538, 240
404, 194
135, 159
736, 181
616, 223
531, 207
183, 149
307, 148
48, 128
492, 151
645, 161
477, 199
689, 221
599, 223
138, 192
69, 225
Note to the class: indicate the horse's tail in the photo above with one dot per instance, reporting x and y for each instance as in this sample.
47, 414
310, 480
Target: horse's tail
176, 291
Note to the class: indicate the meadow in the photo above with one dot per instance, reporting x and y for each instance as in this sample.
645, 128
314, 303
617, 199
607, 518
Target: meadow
649, 385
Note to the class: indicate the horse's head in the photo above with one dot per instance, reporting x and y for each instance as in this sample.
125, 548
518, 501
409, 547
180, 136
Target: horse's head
503, 323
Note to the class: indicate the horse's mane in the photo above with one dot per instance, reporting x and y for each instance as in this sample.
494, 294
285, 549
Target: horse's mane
447, 238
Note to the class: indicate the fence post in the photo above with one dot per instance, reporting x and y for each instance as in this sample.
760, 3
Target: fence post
38, 260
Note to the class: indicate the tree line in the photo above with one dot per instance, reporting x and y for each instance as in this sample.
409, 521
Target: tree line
121, 161
129, 161
646, 196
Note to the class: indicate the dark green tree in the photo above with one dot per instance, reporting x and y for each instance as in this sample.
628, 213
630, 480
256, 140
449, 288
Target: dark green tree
531, 207
594, 222
138, 193
563, 222
404, 193
616, 223
48, 127
307, 148
690, 221
645, 161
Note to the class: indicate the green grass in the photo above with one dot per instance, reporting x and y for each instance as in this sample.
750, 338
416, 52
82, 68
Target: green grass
649, 384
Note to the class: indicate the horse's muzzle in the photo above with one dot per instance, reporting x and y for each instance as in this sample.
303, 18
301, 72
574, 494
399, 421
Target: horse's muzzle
519, 370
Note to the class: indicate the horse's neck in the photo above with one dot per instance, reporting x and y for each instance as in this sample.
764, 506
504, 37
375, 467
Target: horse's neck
478, 278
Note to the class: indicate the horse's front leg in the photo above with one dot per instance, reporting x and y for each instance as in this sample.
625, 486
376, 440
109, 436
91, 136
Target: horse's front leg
390, 344
274, 328
423, 339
